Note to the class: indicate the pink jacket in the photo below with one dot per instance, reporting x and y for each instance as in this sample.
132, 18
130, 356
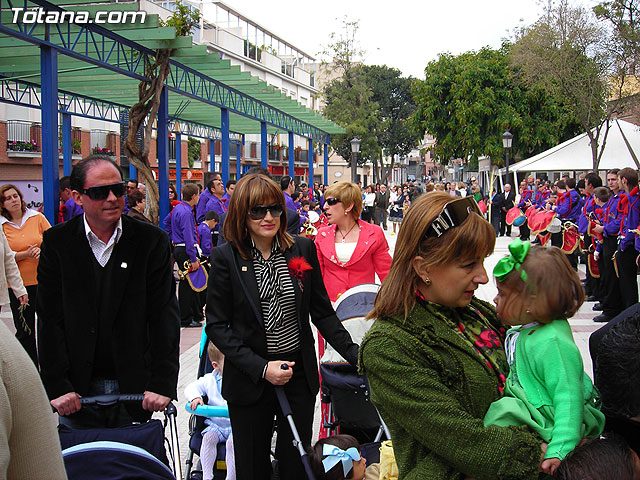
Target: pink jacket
371, 256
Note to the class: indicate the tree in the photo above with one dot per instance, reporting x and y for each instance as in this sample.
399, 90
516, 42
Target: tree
148, 104
467, 102
193, 151
392, 93
348, 98
567, 53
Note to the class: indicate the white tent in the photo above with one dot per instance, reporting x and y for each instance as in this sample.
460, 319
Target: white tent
622, 144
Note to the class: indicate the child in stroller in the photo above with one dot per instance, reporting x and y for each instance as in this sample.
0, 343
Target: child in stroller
345, 394
340, 458
218, 429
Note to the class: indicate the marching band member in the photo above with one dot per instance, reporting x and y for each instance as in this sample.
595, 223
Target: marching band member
568, 208
591, 182
526, 200
629, 206
182, 226
610, 293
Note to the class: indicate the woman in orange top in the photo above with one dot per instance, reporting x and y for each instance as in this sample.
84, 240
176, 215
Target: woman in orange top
350, 251
23, 228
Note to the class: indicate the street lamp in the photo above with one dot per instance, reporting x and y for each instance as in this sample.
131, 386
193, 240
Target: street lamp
507, 139
355, 148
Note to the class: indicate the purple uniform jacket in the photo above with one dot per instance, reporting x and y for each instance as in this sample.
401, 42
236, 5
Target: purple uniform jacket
541, 197
217, 205
71, 209
611, 216
630, 220
204, 236
182, 229
201, 210
568, 207
288, 201
583, 220
527, 196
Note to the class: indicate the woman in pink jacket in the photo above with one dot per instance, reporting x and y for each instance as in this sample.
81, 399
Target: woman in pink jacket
350, 251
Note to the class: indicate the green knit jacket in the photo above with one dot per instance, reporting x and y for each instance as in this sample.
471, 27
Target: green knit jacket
433, 389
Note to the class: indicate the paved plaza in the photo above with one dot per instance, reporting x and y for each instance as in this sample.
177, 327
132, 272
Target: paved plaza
581, 325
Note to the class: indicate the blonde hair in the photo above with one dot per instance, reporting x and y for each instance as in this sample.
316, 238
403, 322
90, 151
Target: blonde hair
215, 355
473, 238
252, 190
349, 194
551, 279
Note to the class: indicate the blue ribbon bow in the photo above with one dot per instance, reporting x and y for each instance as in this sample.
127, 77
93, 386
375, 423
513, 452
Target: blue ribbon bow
333, 455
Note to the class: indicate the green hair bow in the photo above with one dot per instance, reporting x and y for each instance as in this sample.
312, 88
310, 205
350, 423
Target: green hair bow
505, 266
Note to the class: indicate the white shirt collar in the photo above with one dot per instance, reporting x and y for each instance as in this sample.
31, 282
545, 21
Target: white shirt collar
116, 234
27, 215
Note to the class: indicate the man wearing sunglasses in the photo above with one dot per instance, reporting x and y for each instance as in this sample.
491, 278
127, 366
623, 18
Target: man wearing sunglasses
107, 309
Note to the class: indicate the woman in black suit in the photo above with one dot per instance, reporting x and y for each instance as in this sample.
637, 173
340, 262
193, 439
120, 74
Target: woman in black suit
263, 287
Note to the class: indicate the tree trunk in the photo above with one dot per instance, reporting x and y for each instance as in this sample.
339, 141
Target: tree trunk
147, 108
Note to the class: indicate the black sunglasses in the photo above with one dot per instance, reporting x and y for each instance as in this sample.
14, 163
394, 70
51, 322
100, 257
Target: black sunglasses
452, 215
332, 201
101, 192
260, 211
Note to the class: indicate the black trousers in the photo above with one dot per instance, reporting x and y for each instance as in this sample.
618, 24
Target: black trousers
252, 428
592, 284
504, 226
609, 283
628, 276
26, 330
189, 301
525, 233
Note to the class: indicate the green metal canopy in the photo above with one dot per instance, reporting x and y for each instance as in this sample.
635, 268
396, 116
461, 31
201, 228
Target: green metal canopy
102, 67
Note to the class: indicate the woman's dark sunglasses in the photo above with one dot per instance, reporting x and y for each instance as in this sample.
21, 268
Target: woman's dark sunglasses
101, 192
260, 211
332, 201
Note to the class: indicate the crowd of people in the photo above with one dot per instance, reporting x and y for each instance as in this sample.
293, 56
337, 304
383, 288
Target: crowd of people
467, 389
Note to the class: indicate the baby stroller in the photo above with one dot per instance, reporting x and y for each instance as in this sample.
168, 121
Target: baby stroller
132, 451
197, 424
345, 393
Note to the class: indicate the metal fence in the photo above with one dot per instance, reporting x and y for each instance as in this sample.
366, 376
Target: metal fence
18, 131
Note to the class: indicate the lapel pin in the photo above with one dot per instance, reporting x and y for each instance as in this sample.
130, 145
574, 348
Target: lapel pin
123, 265
244, 269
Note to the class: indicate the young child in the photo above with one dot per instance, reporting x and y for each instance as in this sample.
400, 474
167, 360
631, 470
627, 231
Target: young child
546, 389
338, 458
218, 429
600, 459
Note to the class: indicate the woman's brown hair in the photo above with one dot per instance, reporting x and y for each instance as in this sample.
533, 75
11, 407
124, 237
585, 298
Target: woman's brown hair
555, 284
349, 194
3, 189
252, 190
474, 238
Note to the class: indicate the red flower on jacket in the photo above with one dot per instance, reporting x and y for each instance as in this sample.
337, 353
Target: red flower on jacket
297, 268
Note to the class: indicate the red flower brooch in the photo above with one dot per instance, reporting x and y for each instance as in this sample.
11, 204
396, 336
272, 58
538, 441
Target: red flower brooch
297, 268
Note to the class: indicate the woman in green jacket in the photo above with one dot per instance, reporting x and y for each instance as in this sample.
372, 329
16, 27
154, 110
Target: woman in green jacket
435, 358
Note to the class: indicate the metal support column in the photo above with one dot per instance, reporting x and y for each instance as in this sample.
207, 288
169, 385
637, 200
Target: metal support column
326, 164
133, 172
49, 112
239, 159
163, 153
224, 145
291, 155
66, 144
179, 165
311, 157
264, 146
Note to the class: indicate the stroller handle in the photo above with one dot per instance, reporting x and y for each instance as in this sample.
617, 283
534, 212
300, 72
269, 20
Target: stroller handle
108, 400
208, 410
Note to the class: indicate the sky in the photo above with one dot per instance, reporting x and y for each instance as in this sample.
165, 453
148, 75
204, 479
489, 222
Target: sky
404, 34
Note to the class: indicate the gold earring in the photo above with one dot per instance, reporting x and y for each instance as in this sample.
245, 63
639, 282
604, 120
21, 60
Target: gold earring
427, 281
346, 213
